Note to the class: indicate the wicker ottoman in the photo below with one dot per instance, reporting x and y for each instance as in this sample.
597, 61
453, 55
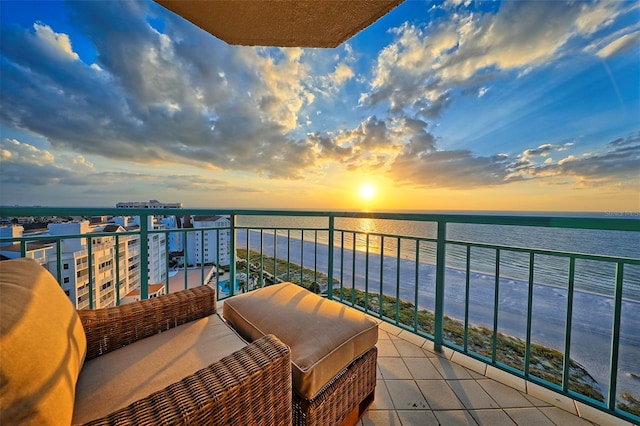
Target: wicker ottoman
333, 353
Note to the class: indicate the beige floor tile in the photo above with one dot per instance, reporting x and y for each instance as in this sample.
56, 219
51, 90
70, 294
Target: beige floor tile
454, 418
382, 335
491, 417
439, 395
418, 387
406, 395
444, 353
469, 363
561, 417
475, 375
598, 417
471, 394
418, 418
449, 369
554, 398
382, 400
386, 348
389, 328
505, 396
537, 402
412, 338
528, 417
422, 369
429, 354
381, 418
407, 349
506, 378
394, 369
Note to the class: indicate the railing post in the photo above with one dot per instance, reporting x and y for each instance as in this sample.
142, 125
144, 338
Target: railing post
90, 275
566, 361
167, 260
330, 265
439, 296
232, 261
117, 265
615, 337
144, 257
59, 263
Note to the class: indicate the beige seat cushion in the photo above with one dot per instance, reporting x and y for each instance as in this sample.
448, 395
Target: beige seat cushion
119, 378
42, 343
324, 336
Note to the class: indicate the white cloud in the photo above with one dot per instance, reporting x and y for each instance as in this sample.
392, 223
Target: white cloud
279, 86
19, 152
158, 99
424, 62
594, 17
82, 164
59, 44
342, 73
620, 45
455, 3
567, 159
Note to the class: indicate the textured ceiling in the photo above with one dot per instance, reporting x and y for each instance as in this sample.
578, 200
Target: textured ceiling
285, 23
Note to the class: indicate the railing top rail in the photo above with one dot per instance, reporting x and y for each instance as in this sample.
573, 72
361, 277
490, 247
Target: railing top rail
577, 221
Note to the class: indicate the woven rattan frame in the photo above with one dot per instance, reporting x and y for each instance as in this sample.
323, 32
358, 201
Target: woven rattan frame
112, 328
252, 386
249, 387
344, 393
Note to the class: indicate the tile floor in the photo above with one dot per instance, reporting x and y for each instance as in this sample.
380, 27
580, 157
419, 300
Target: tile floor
417, 386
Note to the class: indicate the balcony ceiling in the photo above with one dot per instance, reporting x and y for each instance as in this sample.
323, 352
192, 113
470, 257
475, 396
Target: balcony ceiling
284, 23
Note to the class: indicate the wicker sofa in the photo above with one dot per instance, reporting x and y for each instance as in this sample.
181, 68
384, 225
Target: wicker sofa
119, 365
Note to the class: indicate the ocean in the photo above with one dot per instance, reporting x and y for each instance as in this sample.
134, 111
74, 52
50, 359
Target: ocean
592, 317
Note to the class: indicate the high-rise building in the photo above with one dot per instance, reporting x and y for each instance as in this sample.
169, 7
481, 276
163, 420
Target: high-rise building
175, 238
71, 258
203, 246
157, 253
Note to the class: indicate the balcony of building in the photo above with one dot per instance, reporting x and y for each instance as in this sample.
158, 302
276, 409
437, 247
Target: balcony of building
483, 319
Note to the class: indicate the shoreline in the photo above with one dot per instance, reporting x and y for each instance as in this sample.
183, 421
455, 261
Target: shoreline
453, 268
591, 333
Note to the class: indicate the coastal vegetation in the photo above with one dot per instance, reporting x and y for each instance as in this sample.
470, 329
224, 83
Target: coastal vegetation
544, 363
276, 270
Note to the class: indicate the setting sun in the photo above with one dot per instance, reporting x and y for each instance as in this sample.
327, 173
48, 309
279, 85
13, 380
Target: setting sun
367, 191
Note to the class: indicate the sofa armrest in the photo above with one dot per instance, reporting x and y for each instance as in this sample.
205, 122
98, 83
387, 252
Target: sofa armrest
112, 328
249, 387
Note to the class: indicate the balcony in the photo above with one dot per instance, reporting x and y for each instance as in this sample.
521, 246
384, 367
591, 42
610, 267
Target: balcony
484, 319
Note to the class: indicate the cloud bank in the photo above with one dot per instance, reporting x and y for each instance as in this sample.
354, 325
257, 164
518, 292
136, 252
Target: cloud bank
181, 96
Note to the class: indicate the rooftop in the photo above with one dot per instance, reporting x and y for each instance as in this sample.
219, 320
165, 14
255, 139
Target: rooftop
152, 289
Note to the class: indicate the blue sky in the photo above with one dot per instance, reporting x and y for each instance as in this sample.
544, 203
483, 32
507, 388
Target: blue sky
455, 105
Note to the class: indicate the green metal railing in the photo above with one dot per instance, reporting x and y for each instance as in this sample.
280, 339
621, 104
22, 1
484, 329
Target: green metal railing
331, 252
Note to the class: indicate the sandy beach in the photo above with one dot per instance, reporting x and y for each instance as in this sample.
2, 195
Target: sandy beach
591, 319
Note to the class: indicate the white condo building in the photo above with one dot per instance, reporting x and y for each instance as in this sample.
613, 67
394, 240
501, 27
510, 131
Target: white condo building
202, 246
175, 238
74, 260
71, 264
157, 246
